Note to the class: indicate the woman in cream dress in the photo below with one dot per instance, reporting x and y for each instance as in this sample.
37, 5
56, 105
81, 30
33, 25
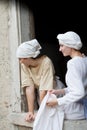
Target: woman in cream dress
37, 72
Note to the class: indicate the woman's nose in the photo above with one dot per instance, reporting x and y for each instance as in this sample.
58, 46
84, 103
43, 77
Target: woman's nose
59, 48
20, 61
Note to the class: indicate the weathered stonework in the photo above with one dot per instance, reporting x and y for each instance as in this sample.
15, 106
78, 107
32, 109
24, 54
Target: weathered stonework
5, 84
16, 25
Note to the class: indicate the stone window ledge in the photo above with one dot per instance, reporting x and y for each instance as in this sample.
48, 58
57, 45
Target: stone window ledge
19, 119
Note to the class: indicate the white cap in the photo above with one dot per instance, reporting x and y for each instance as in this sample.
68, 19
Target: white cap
70, 39
28, 49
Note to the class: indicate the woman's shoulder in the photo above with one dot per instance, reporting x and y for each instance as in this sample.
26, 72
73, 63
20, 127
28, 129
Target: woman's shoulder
77, 61
46, 60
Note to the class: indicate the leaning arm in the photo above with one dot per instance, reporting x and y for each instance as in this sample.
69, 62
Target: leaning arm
42, 94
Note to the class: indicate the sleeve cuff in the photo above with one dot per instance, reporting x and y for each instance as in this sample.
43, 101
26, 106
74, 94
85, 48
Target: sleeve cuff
61, 101
66, 90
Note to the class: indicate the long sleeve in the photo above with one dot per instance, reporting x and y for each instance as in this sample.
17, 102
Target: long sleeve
75, 87
47, 77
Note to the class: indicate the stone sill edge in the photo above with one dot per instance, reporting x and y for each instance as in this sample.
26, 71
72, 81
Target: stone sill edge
19, 119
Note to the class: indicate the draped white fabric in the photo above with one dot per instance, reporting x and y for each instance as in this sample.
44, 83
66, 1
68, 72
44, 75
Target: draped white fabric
48, 118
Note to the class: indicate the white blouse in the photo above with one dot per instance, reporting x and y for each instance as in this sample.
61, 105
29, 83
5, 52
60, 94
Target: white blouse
76, 81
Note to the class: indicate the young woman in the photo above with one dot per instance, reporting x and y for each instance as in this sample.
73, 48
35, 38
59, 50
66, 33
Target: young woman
37, 73
72, 104
75, 95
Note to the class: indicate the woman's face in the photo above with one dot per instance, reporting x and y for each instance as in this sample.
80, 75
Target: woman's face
24, 61
66, 51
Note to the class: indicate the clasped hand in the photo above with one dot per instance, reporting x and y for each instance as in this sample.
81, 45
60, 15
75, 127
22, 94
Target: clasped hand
52, 100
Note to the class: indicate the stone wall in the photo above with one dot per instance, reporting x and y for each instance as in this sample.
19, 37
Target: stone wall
8, 63
16, 26
18, 119
5, 76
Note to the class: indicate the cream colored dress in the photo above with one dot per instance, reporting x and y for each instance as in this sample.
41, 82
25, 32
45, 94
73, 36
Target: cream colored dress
42, 76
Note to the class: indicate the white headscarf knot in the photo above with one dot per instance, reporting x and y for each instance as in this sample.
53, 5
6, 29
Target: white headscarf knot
29, 49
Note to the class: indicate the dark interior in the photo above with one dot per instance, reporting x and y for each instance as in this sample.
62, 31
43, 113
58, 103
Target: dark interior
53, 18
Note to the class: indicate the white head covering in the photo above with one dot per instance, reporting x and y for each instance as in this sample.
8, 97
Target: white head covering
29, 49
70, 39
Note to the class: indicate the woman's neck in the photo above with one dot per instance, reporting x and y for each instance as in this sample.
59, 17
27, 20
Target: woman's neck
76, 53
36, 62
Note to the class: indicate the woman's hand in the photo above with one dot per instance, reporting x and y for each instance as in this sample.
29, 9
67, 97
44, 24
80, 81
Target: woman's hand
52, 100
54, 91
30, 117
57, 91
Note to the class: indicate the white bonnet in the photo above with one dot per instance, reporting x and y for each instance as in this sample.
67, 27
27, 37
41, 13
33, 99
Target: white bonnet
70, 39
28, 49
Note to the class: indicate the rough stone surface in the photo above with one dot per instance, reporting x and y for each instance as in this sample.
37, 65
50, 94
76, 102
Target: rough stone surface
4, 66
19, 119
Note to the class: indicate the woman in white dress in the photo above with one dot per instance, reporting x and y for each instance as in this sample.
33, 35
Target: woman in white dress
74, 95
